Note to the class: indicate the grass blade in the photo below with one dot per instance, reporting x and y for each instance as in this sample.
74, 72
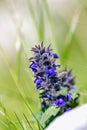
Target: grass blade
19, 121
28, 122
68, 41
18, 57
4, 124
8, 120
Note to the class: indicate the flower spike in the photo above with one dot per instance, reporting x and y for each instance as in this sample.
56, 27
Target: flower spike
55, 87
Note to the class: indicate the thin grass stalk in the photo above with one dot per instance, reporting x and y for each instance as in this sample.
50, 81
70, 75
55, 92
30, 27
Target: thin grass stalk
4, 114
28, 122
4, 124
19, 121
68, 41
31, 11
18, 60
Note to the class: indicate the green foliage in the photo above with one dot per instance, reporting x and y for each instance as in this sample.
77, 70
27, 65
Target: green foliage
63, 91
48, 115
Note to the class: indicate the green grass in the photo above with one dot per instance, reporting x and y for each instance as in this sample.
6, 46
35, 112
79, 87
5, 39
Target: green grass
19, 99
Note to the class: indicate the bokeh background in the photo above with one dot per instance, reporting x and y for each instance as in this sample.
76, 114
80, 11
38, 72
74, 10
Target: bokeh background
23, 24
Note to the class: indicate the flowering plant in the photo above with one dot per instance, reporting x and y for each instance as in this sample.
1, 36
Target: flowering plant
56, 87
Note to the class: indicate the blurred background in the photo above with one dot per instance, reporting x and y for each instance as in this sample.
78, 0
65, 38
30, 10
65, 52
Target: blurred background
23, 24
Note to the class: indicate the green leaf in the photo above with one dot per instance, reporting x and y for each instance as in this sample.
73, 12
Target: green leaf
48, 114
75, 95
63, 91
39, 114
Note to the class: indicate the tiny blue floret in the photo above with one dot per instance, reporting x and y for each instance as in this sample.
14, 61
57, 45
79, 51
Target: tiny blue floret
55, 56
60, 102
69, 97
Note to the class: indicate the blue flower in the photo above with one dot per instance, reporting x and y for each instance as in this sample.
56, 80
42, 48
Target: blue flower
69, 96
60, 102
46, 96
51, 68
55, 56
43, 96
45, 55
51, 71
38, 82
43, 104
67, 109
33, 66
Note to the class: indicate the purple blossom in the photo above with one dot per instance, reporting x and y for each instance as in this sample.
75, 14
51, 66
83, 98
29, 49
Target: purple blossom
38, 82
67, 109
67, 79
69, 97
48, 80
55, 56
43, 104
51, 71
33, 66
60, 102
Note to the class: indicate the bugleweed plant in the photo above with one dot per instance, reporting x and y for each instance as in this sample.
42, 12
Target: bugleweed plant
56, 87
